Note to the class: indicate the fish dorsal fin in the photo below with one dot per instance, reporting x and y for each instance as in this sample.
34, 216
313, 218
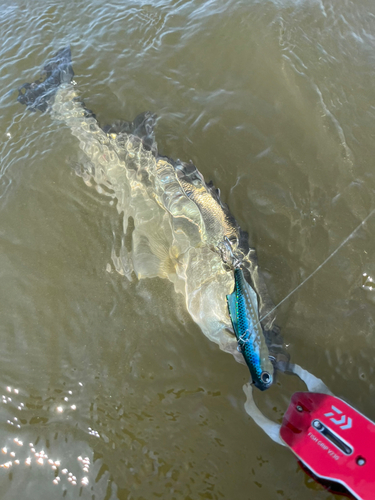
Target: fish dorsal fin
189, 173
142, 126
215, 192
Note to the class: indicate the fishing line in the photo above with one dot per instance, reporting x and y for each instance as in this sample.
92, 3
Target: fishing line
321, 265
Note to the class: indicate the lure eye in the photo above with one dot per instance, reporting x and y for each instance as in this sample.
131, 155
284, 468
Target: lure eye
266, 378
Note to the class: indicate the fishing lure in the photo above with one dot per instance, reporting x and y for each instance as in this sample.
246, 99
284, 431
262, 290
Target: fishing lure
243, 311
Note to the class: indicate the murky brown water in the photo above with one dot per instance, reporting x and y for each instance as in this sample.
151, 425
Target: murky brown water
275, 102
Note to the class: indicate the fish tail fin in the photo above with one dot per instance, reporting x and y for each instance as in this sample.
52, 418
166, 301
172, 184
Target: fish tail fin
56, 71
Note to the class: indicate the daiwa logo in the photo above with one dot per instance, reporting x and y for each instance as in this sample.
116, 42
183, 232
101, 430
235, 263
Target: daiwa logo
344, 422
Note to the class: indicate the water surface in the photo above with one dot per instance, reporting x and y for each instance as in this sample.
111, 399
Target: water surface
111, 378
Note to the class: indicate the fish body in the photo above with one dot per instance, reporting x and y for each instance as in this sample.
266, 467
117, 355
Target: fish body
179, 188
219, 224
243, 311
178, 217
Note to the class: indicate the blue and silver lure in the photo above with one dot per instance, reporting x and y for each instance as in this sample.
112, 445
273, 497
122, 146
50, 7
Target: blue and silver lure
243, 311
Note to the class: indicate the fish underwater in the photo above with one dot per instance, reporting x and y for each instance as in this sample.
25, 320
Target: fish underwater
182, 229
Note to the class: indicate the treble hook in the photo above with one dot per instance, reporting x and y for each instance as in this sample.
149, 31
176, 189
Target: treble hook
236, 262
